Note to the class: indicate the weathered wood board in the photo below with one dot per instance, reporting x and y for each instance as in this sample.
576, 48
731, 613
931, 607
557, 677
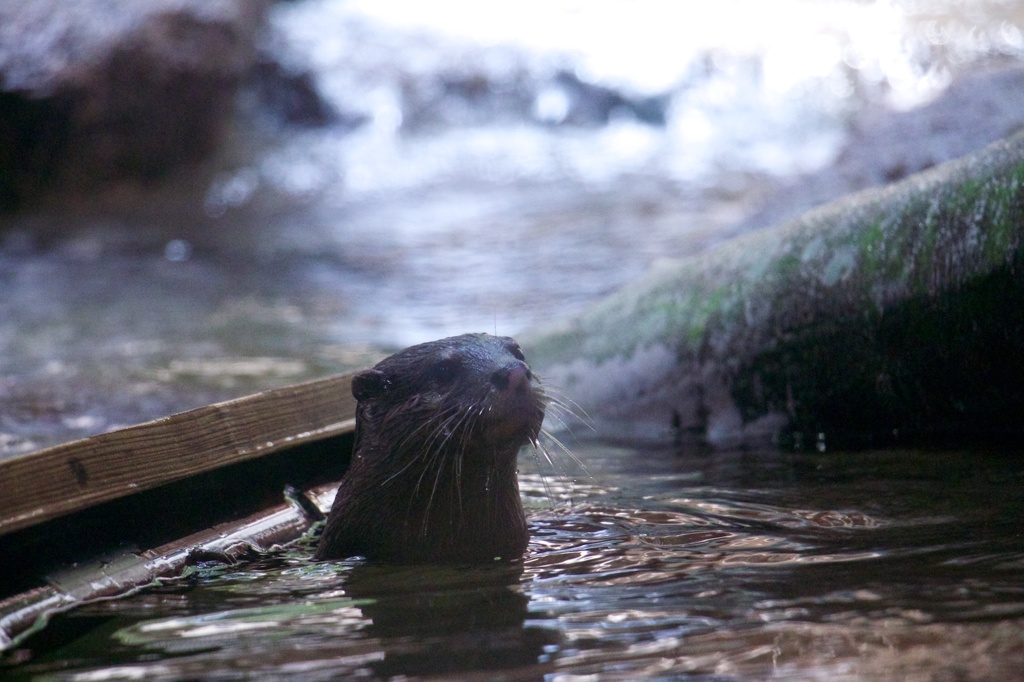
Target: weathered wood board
47, 484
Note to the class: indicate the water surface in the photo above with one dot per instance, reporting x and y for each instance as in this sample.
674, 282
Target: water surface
662, 564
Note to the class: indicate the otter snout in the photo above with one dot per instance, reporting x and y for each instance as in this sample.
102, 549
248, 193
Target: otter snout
512, 377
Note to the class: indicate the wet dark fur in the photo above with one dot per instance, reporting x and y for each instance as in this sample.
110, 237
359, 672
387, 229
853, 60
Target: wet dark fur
433, 472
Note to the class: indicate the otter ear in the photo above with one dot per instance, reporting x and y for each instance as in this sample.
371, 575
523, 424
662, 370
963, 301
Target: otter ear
368, 383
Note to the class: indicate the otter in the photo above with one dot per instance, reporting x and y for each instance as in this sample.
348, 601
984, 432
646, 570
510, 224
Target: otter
433, 472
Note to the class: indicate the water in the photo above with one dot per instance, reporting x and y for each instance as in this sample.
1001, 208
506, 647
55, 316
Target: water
663, 563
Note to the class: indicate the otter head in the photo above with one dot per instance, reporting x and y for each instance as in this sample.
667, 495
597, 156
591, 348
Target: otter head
432, 477
470, 388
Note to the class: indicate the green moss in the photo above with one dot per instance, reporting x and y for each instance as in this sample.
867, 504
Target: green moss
787, 267
871, 238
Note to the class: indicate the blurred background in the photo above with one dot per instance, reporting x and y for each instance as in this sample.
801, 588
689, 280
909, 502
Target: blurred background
202, 200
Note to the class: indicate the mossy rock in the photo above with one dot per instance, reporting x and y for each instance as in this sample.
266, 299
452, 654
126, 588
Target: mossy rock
892, 313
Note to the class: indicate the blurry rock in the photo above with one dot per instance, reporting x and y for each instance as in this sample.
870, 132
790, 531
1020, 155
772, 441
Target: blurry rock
469, 95
592, 104
483, 94
974, 111
99, 90
292, 97
885, 146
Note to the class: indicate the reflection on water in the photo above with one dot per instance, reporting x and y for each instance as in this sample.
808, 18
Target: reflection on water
744, 565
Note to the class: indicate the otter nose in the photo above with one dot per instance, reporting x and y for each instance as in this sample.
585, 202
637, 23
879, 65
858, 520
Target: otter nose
514, 377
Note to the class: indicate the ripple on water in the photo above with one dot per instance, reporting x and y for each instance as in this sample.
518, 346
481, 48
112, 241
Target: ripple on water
731, 565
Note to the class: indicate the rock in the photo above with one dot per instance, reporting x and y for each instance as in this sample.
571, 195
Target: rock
98, 90
477, 93
592, 104
293, 99
469, 94
893, 314
977, 109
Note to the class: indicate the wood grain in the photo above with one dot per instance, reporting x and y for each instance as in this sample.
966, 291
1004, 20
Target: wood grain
46, 484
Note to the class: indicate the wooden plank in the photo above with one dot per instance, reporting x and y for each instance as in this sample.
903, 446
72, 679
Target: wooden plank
50, 483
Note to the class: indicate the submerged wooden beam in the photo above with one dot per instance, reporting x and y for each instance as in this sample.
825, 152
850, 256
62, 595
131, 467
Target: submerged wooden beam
44, 485
122, 570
